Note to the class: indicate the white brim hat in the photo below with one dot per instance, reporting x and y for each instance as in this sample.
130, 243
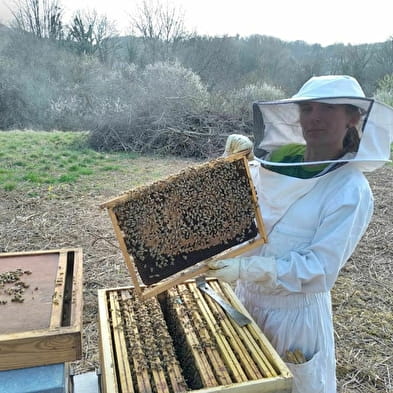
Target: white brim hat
276, 123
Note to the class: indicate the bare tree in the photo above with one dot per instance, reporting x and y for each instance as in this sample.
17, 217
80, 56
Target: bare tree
82, 33
93, 33
43, 18
354, 60
384, 57
160, 25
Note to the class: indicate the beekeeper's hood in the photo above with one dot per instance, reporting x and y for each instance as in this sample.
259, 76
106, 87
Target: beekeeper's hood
276, 123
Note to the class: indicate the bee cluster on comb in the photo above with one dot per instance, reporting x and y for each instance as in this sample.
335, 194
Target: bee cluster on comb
182, 341
177, 222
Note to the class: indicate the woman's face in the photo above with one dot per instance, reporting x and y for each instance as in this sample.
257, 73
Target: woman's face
325, 124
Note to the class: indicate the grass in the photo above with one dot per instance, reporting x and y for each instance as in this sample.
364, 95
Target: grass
32, 159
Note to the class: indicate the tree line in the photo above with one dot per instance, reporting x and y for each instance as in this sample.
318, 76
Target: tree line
160, 88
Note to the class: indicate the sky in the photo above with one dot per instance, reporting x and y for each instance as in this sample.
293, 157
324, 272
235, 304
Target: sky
315, 22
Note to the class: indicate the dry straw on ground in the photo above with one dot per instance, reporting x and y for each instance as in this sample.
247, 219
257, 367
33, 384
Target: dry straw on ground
362, 298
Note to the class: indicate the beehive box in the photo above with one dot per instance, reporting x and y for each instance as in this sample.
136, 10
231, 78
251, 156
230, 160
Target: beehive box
181, 340
205, 211
40, 308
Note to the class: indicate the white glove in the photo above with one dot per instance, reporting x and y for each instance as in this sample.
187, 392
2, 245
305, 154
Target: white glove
256, 269
236, 143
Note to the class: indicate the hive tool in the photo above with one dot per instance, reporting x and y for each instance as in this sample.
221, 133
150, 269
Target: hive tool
236, 315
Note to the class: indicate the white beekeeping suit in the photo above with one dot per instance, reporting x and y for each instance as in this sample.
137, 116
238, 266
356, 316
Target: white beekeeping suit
313, 226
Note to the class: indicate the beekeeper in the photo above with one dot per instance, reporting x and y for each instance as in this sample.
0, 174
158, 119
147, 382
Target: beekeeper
316, 204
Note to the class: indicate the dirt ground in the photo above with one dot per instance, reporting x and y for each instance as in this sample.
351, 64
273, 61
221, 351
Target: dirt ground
69, 216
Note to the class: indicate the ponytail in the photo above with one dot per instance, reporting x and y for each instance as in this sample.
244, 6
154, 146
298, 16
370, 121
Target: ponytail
351, 140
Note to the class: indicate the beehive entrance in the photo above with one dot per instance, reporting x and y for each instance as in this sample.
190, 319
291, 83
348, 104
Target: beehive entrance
182, 341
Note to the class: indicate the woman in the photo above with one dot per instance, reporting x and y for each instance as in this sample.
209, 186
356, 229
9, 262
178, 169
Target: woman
316, 204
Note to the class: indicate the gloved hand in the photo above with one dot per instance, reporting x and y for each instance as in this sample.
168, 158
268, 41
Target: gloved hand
236, 143
256, 269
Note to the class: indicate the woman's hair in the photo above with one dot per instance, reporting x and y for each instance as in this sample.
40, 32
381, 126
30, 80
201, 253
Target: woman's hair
352, 140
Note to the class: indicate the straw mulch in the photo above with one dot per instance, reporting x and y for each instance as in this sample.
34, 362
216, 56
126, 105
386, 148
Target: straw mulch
68, 217
363, 301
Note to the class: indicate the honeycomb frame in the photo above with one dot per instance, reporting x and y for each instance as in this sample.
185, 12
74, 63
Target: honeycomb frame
167, 228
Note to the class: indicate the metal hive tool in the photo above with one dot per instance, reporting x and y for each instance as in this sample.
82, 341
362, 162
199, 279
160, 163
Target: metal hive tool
236, 315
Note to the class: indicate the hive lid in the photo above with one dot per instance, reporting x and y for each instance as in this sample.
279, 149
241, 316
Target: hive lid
41, 307
168, 228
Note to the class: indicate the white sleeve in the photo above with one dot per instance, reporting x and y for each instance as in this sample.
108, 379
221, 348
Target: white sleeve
315, 267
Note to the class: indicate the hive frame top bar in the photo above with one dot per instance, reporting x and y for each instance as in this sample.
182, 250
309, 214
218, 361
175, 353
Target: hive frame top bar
201, 266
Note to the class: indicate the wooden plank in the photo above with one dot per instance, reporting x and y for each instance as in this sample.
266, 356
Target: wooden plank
261, 340
201, 361
39, 348
207, 342
127, 257
139, 361
77, 291
238, 332
57, 298
239, 341
32, 252
256, 346
229, 357
107, 357
122, 363
165, 345
152, 324
258, 215
270, 385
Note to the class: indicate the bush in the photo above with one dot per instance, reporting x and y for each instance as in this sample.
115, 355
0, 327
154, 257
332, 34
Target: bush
36, 76
384, 92
238, 102
171, 90
169, 111
14, 109
161, 97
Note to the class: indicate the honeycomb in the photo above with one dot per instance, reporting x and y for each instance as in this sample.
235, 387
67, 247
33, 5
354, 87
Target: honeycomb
189, 217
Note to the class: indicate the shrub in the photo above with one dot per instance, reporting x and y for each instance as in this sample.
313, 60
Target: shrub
160, 98
384, 92
238, 102
171, 90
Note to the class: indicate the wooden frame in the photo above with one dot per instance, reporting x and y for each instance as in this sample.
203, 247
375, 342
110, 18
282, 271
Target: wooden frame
242, 357
197, 268
45, 328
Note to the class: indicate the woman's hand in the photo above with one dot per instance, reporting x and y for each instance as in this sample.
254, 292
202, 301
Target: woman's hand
256, 269
236, 143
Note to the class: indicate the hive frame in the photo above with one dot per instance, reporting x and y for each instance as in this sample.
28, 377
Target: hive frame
239, 348
57, 342
200, 267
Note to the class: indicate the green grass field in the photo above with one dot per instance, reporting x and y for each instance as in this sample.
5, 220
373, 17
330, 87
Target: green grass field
31, 159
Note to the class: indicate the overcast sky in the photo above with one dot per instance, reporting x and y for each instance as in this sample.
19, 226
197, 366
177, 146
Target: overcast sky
313, 21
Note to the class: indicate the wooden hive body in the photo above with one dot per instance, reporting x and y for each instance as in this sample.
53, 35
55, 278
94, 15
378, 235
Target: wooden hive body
166, 229
41, 324
182, 341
